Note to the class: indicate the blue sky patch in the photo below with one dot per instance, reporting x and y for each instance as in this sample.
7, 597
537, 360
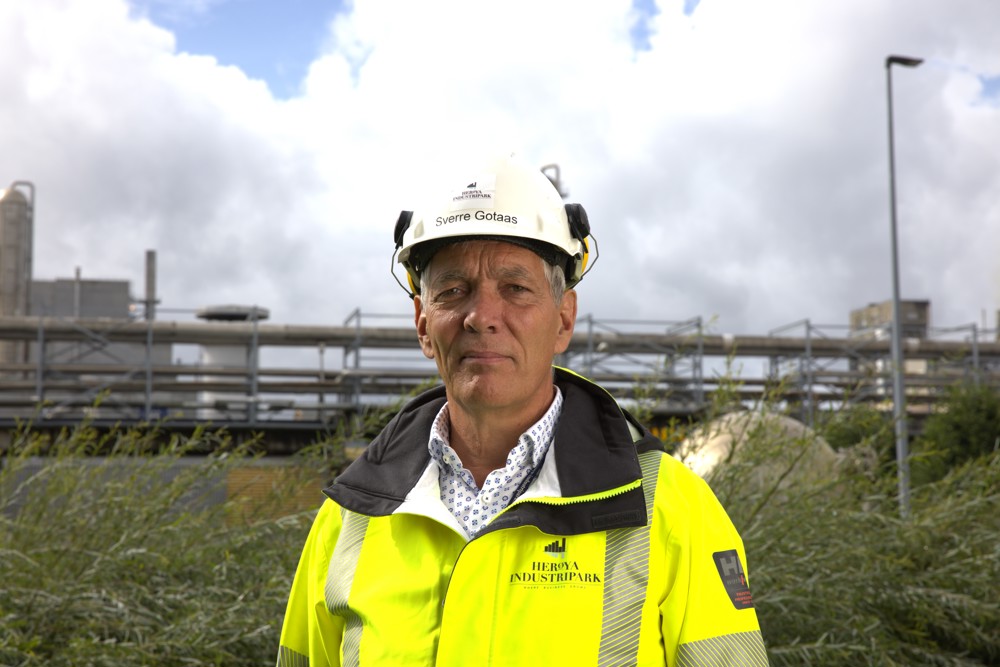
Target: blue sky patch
990, 88
641, 31
273, 41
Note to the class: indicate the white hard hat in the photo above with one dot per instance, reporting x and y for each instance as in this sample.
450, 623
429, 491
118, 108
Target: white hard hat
507, 200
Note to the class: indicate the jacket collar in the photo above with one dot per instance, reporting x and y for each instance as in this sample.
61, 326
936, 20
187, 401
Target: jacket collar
595, 449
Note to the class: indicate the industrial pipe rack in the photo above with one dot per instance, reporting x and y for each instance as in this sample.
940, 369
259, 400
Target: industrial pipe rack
671, 367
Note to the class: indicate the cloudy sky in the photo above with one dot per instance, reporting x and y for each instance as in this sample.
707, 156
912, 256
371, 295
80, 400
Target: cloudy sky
732, 155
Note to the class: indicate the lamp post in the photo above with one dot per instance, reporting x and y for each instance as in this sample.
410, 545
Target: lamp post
898, 395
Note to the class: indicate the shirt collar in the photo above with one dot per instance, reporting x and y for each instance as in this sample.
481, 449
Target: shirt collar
536, 439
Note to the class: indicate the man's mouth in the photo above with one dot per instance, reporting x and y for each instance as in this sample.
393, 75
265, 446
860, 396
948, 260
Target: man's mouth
483, 357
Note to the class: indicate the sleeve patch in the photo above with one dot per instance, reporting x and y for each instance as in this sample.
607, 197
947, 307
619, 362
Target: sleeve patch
733, 578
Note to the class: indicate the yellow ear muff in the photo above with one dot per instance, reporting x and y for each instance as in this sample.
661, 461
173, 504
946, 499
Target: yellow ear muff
579, 228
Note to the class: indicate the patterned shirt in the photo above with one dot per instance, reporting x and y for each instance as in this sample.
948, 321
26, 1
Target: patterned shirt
473, 507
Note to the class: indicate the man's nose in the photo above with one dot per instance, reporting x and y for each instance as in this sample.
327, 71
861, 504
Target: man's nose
484, 313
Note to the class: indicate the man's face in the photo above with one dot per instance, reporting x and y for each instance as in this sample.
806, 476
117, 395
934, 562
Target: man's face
488, 318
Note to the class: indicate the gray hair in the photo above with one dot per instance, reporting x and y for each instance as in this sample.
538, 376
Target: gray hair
554, 274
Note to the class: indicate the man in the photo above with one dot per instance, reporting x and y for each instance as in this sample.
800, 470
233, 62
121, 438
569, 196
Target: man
516, 515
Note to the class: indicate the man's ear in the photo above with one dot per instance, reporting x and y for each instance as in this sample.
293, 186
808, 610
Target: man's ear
420, 322
567, 321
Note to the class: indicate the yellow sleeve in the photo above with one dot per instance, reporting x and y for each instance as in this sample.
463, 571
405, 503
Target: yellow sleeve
310, 634
707, 615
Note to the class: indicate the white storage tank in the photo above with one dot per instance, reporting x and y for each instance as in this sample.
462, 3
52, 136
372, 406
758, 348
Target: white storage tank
225, 406
16, 223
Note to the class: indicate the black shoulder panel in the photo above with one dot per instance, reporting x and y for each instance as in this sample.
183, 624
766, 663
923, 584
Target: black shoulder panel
377, 482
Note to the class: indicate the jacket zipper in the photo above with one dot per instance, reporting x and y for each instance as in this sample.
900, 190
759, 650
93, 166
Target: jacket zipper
562, 500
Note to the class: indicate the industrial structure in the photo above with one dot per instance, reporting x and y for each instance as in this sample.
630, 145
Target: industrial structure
672, 368
73, 348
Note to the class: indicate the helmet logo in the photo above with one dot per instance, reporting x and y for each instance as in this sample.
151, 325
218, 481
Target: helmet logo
477, 194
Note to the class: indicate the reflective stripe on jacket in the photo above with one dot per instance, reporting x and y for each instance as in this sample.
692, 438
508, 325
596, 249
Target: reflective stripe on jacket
616, 554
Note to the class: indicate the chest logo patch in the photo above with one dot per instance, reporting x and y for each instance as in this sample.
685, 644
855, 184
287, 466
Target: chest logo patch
555, 570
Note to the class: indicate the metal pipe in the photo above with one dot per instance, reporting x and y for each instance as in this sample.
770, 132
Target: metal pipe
77, 289
809, 376
40, 368
698, 366
149, 369
149, 311
975, 353
254, 365
150, 306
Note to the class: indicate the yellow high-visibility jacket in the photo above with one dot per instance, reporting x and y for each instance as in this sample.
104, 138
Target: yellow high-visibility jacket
616, 554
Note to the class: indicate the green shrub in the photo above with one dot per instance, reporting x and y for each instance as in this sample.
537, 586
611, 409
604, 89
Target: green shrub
131, 559
860, 424
966, 425
839, 579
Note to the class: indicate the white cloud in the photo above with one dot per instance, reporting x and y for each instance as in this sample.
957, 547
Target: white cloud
736, 169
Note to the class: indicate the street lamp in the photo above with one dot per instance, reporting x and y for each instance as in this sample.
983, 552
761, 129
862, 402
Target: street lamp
899, 397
